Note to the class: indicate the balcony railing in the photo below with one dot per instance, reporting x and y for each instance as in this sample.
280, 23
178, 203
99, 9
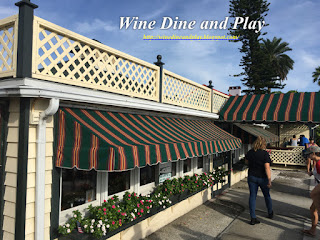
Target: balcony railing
62, 56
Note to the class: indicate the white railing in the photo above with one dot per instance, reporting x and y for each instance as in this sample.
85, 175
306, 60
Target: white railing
63, 56
8, 46
180, 91
288, 157
218, 100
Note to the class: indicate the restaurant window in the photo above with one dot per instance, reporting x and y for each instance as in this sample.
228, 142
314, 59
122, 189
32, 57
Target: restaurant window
147, 174
200, 162
187, 165
78, 187
173, 169
118, 182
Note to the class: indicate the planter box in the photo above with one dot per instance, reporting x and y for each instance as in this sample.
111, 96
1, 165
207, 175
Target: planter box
156, 219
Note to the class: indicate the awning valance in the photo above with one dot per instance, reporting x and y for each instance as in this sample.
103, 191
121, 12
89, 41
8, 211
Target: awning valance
109, 141
289, 107
258, 131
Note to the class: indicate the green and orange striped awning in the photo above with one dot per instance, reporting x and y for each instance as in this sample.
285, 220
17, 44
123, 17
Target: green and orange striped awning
289, 107
109, 141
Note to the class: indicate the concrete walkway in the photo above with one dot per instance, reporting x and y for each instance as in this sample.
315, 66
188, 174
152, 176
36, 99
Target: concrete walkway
227, 216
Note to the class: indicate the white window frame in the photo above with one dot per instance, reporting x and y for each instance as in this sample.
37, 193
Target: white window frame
195, 165
65, 215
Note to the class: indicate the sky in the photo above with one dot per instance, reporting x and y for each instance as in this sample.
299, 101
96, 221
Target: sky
296, 22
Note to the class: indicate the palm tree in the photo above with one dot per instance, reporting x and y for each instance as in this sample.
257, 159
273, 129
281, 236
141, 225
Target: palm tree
280, 62
316, 75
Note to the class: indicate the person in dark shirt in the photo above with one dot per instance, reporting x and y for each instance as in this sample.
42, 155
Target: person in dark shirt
259, 175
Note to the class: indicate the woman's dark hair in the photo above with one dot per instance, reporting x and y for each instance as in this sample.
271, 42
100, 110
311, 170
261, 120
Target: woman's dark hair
294, 136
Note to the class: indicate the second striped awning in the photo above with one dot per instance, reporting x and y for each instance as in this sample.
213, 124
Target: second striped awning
289, 107
109, 141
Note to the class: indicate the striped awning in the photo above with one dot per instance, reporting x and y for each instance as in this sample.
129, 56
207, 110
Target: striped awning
109, 141
256, 131
289, 107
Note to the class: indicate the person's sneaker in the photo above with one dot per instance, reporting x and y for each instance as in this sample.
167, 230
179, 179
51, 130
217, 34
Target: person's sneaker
254, 221
270, 215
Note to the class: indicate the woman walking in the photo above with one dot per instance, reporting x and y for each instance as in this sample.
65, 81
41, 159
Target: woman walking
259, 175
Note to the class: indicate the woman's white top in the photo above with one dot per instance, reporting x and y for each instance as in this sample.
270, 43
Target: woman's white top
294, 142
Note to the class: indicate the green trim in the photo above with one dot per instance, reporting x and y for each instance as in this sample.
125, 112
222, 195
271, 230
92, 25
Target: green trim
20, 219
3, 157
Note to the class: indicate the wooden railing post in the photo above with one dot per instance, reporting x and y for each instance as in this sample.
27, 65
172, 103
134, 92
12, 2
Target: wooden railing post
25, 35
160, 64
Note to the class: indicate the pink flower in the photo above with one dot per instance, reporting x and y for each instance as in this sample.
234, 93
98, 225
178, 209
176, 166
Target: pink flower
119, 210
165, 189
113, 206
113, 223
129, 198
195, 181
112, 198
105, 200
142, 210
134, 194
181, 184
99, 209
119, 220
105, 213
138, 213
138, 205
141, 201
129, 195
203, 184
147, 207
197, 185
123, 214
188, 179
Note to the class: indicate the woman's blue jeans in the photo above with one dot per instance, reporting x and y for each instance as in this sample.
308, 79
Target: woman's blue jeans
254, 183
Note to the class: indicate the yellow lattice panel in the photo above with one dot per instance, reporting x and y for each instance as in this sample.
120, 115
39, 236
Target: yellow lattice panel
183, 92
218, 100
287, 157
8, 46
66, 57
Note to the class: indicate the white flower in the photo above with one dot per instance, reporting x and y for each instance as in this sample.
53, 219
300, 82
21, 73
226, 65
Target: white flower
103, 228
67, 225
92, 230
64, 226
150, 206
170, 202
160, 202
98, 225
132, 214
148, 195
131, 219
164, 206
92, 220
100, 221
75, 215
135, 210
91, 226
85, 226
148, 211
108, 226
68, 231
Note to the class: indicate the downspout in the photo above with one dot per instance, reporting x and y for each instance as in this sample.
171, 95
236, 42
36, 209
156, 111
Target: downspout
41, 168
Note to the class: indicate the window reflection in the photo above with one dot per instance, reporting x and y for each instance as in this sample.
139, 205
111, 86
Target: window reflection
200, 162
118, 182
187, 165
78, 187
147, 175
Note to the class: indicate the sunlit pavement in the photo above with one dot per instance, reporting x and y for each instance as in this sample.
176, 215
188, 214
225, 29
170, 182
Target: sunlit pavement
227, 216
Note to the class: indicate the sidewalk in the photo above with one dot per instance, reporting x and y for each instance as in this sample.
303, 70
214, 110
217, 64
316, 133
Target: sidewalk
227, 216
